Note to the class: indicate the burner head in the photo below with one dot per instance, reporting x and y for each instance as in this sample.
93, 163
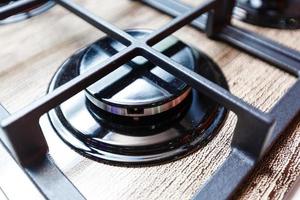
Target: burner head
138, 88
30, 12
270, 13
139, 113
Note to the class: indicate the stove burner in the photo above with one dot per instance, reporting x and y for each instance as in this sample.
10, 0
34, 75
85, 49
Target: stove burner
36, 10
269, 13
139, 113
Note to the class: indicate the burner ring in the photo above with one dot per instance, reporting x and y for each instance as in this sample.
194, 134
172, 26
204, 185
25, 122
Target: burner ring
43, 7
136, 112
154, 139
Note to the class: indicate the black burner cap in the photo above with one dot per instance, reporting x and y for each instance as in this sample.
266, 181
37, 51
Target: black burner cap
283, 14
138, 88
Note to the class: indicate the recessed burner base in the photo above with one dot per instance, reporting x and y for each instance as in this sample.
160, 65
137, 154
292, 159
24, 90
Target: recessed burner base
43, 7
272, 14
122, 140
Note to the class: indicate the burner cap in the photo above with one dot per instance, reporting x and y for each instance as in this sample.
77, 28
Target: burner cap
269, 13
133, 137
35, 10
138, 88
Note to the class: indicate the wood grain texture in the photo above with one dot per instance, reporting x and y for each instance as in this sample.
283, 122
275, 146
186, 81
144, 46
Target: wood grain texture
31, 51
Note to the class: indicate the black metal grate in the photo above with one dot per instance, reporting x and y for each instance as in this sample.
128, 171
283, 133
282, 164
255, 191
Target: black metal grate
255, 131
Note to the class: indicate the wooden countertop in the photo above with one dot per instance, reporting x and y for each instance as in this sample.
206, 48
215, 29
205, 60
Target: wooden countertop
32, 50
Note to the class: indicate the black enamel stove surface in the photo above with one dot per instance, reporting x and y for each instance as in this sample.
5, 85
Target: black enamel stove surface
30, 12
124, 131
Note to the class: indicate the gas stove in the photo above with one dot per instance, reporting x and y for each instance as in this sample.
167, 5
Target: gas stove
141, 98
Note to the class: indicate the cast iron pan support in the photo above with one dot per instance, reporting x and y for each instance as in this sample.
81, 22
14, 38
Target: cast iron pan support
219, 18
252, 43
